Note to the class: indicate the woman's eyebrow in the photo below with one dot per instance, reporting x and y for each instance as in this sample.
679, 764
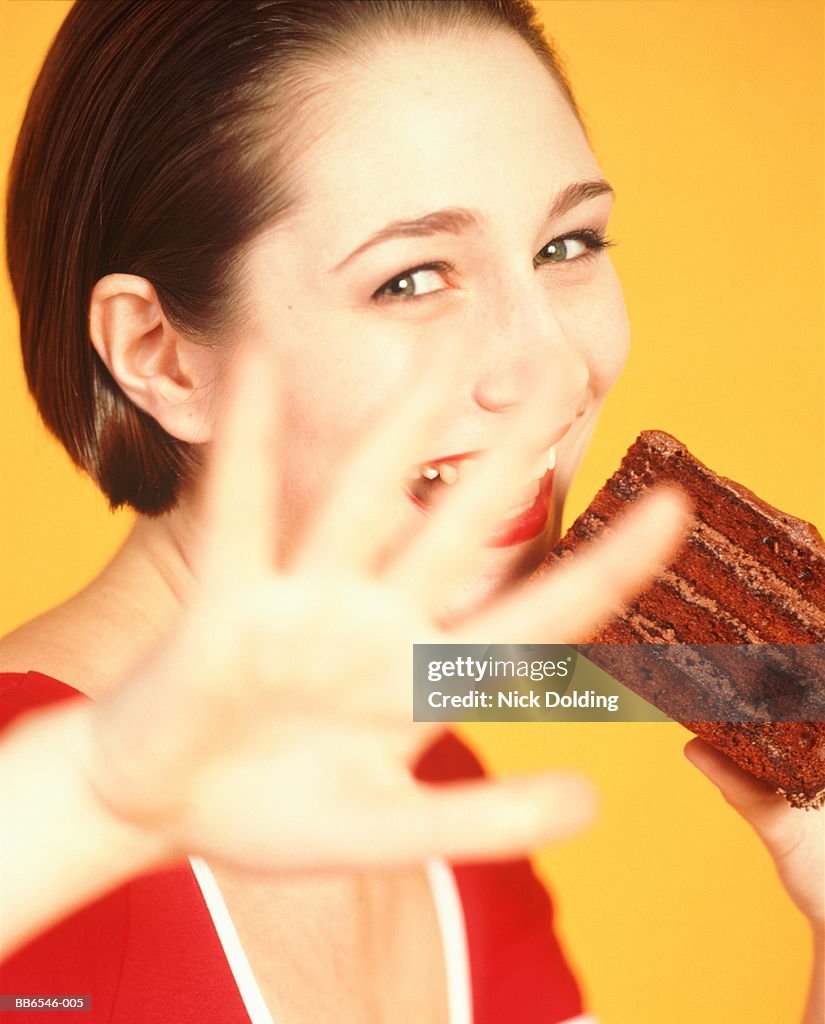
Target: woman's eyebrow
451, 221
457, 219
578, 192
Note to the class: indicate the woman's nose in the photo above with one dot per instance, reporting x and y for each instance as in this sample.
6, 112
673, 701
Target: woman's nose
529, 344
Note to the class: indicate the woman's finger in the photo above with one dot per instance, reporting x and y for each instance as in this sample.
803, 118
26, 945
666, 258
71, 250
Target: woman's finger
362, 515
794, 837
741, 790
480, 819
766, 811
439, 557
571, 601
240, 492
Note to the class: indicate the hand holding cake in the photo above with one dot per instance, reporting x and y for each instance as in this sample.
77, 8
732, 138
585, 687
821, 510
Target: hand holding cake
794, 837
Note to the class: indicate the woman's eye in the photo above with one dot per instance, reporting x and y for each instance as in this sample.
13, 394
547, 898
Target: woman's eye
412, 284
571, 247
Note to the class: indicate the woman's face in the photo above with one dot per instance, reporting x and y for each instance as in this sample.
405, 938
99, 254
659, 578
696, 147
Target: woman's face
469, 138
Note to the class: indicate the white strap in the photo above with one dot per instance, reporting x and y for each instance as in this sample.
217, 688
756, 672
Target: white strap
450, 919
233, 950
453, 936
454, 939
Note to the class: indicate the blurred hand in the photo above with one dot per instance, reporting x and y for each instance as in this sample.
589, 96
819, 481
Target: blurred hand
272, 727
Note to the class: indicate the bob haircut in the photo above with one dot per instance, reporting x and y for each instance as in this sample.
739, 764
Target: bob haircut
156, 142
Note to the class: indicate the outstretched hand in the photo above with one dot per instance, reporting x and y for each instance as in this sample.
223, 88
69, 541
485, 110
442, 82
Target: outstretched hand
272, 727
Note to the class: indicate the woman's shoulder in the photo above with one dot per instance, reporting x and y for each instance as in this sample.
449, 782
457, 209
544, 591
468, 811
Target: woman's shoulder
33, 671
21, 692
34, 645
54, 644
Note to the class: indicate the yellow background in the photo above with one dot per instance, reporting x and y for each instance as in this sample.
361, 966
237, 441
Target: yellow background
707, 116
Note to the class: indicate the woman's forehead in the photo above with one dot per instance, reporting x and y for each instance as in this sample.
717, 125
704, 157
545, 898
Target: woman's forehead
463, 120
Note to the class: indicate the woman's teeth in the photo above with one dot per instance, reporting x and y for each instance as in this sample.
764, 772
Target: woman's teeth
551, 457
447, 472
451, 472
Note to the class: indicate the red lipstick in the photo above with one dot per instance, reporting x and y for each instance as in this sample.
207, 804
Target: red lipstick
527, 524
518, 529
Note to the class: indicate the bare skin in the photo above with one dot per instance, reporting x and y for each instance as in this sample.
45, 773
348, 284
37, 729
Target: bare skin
300, 539
163, 759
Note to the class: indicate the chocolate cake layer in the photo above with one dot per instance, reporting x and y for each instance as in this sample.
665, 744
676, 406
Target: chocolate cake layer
747, 574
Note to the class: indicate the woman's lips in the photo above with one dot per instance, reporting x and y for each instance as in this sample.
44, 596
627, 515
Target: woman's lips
520, 528
529, 511
527, 524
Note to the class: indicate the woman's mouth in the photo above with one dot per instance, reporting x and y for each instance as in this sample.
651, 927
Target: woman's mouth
524, 521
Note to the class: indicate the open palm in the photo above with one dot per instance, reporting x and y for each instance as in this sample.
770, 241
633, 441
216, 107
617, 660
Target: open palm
272, 727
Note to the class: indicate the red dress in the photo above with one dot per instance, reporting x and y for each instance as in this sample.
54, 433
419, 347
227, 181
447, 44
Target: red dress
148, 952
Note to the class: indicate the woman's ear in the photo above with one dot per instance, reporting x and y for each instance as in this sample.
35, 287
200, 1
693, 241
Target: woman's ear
163, 373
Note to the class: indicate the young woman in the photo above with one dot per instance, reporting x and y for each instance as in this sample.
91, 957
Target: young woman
320, 289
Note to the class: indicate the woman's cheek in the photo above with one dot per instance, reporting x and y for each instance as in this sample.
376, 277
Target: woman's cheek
341, 383
601, 327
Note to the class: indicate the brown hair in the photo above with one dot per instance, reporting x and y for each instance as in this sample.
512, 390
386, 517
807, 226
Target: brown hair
147, 149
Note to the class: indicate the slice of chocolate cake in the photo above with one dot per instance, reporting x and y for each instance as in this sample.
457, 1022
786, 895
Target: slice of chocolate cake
748, 574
